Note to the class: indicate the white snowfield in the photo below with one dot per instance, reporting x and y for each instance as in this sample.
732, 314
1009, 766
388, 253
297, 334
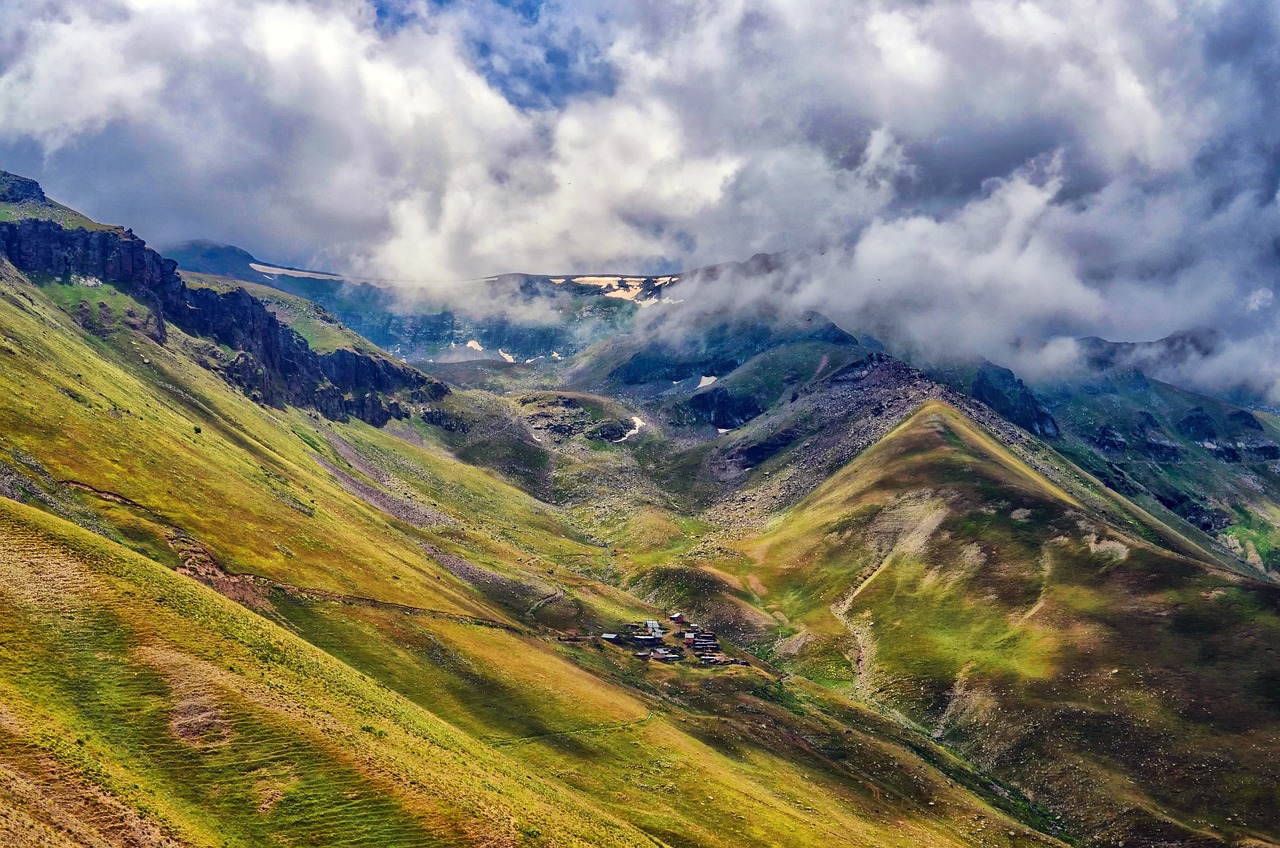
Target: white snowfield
474, 345
288, 272
623, 288
705, 381
638, 422
654, 300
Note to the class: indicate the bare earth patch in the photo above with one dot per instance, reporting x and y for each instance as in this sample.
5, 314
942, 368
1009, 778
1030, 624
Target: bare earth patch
272, 785
43, 804
195, 717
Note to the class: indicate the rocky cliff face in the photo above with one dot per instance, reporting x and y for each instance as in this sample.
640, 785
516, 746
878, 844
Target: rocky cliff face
16, 189
274, 365
999, 389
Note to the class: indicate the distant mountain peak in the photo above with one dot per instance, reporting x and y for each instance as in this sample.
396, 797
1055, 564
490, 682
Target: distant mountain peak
210, 257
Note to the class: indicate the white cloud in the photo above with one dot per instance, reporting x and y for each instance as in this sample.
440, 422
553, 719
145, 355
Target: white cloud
983, 176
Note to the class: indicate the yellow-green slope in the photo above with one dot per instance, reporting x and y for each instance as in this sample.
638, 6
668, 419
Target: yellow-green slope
428, 697
130, 692
938, 578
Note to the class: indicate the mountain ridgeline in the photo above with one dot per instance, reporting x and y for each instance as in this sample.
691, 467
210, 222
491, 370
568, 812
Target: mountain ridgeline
686, 578
563, 317
270, 361
1113, 418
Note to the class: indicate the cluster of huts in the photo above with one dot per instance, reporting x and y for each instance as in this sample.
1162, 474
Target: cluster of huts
650, 638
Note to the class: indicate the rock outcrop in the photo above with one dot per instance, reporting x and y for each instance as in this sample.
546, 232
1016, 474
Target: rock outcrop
16, 189
1001, 390
273, 364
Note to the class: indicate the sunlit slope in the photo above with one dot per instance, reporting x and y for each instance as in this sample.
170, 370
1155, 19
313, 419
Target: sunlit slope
437, 593
692, 756
162, 453
1133, 691
134, 700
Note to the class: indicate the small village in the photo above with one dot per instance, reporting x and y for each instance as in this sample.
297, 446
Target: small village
654, 643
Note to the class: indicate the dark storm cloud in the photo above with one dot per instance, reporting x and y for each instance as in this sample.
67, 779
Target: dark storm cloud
987, 177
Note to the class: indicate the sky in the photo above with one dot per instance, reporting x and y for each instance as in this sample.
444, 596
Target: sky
965, 177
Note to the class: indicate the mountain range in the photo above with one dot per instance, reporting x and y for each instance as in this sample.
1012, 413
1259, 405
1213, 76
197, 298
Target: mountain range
293, 558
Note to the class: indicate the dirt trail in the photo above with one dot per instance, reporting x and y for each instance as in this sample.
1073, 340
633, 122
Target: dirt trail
905, 530
1046, 573
864, 659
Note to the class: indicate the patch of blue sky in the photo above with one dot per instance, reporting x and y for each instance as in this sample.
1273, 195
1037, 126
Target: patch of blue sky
391, 15
518, 50
546, 75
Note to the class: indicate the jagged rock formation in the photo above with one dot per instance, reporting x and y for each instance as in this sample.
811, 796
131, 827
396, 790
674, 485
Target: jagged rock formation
273, 364
722, 408
16, 189
1001, 390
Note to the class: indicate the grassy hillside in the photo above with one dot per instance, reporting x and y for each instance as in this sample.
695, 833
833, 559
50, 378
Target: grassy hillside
940, 579
134, 699
393, 669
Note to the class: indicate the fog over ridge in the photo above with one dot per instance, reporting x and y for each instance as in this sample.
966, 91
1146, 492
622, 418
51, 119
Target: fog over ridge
970, 178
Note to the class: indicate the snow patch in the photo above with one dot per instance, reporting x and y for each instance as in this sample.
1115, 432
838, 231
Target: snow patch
289, 272
506, 355
638, 422
556, 355
705, 381
474, 345
722, 430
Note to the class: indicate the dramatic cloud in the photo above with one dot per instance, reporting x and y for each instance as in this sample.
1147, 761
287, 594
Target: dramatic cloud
963, 177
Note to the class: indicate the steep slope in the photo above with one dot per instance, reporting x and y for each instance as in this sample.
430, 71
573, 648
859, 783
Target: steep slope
140, 708
265, 358
942, 579
322, 331
408, 661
